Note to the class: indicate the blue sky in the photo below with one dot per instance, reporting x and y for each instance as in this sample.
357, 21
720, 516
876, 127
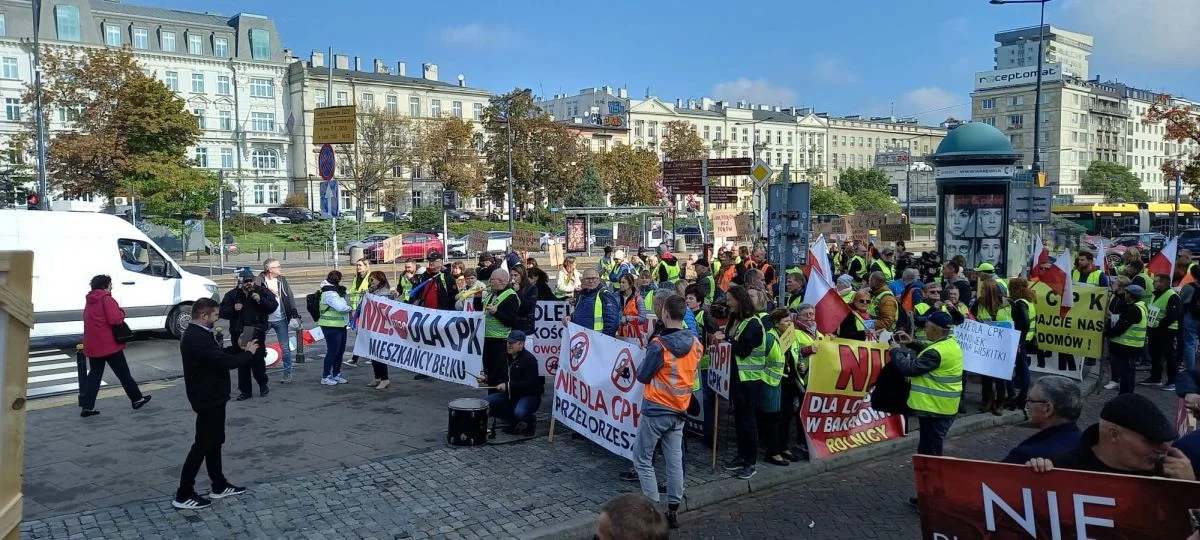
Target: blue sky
916, 57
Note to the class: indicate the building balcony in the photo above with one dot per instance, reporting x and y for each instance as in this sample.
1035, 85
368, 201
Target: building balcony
1122, 112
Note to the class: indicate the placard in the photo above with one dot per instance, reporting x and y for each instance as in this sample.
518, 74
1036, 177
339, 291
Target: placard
447, 345
720, 361
988, 350
546, 340
627, 235
724, 223
1080, 330
16, 319
744, 228
596, 393
392, 248
555, 250
895, 233
477, 241
836, 409
526, 241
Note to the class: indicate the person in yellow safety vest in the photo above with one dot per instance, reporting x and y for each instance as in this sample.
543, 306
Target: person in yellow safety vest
779, 324
500, 315
1130, 255
1024, 314
1136, 272
669, 370
595, 307
1085, 270
987, 271
668, 270
407, 279
857, 268
334, 316
991, 307
795, 381
845, 288
705, 327
748, 339
1128, 337
356, 291
953, 301
607, 263
858, 324
1163, 333
930, 304
884, 308
935, 372
835, 258
886, 264
705, 282
795, 288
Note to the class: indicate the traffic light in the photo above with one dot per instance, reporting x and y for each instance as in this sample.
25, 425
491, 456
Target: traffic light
1041, 178
33, 202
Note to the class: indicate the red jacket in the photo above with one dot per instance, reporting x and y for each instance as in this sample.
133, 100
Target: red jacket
99, 314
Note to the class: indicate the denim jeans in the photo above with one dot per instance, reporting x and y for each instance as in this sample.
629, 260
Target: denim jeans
1191, 333
651, 429
335, 347
932, 434
285, 343
522, 411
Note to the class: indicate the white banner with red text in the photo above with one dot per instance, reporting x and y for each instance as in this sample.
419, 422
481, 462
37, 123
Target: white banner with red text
596, 392
446, 345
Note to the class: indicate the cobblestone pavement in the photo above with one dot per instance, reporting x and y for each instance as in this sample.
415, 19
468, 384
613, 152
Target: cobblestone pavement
869, 501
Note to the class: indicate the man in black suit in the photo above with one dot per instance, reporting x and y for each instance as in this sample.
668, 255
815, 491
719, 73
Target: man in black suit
206, 368
248, 308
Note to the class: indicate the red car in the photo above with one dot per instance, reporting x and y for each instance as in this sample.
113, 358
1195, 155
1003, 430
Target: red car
416, 246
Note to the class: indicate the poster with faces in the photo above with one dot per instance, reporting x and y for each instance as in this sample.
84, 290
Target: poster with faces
974, 228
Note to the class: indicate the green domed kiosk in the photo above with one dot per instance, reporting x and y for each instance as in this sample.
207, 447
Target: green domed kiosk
974, 167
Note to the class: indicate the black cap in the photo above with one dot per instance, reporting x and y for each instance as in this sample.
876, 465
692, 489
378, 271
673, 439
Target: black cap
940, 319
1137, 413
434, 255
246, 275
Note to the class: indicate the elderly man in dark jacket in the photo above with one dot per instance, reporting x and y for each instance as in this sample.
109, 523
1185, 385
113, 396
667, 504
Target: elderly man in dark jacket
1054, 405
206, 368
247, 308
520, 388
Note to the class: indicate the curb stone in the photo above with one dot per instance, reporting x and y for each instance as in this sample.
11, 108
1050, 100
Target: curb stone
714, 492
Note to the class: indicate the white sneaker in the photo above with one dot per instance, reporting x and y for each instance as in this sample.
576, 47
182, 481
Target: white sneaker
1111, 385
328, 381
339, 379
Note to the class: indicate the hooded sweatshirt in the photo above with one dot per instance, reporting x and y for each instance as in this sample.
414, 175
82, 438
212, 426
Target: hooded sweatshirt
100, 312
679, 343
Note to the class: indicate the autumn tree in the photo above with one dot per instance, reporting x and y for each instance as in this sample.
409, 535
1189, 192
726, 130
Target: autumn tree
446, 148
589, 191
385, 144
1116, 182
679, 142
127, 132
630, 175
830, 201
559, 157
1183, 128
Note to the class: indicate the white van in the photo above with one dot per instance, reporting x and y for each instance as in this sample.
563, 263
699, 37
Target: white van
71, 247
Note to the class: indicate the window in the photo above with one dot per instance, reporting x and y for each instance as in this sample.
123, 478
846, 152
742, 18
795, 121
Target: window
138, 256
273, 194
172, 80
198, 83
368, 102
202, 157
8, 68
456, 109
478, 111
416, 199
1015, 120
706, 133
112, 35
226, 158
652, 129
141, 38
637, 128
264, 159
262, 122
3, 29
393, 104
259, 194
199, 114
261, 87
66, 20
718, 134
12, 109
435, 108
195, 44
223, 85
168, 41
1013, 101
414, 106
220, 47
989, 103
342, 98
260, 44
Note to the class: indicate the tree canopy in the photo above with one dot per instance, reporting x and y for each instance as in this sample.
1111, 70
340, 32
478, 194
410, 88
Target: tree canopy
630, 174
855, 182
1182, 128
680, 142
1116, 182
830, 201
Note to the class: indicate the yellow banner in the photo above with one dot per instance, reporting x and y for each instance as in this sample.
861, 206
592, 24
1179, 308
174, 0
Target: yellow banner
1081, 330
845, 367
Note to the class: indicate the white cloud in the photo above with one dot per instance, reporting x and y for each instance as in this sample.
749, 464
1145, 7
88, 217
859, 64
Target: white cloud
831, 70
755, 91
1160, 33
476, 35
932, 104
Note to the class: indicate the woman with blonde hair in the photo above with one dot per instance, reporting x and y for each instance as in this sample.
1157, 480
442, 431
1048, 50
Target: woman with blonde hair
992, 308
568, 280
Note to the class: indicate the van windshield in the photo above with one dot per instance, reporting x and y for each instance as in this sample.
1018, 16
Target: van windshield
139, 256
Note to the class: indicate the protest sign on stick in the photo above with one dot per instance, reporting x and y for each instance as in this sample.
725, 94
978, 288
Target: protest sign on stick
988, 350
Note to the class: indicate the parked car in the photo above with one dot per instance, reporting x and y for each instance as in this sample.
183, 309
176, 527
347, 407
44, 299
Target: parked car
457, 215
1190, 240
294, 215
368, 242
391, 217
691, 235
272, 219
1147, 243
415, 247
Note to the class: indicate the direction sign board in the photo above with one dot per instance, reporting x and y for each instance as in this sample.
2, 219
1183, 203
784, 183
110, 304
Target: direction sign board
325, 162
722, 194
334, 125
449, 199
1018, 210
690, 169
760, 172
329, 198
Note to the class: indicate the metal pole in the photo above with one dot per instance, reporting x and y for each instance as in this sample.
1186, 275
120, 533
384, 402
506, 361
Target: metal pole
908, 187
784, 248
333, 218
39, 113
511, 202
704, 225
1037, 114
221, 217
1178, 189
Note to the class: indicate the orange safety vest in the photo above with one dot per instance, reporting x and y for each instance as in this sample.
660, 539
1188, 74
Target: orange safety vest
630, 310
672, 385
726, 278
774, 279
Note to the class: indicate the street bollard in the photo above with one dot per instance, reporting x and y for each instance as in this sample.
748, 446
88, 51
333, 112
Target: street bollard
81, 369
309, 249
285, 253
298, 354
260, 253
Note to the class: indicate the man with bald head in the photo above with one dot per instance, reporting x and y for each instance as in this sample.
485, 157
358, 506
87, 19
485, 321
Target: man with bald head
500, 305
596, 308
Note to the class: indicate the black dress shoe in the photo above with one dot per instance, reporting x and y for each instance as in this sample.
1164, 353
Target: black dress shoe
244, 397
138, 404
263, 390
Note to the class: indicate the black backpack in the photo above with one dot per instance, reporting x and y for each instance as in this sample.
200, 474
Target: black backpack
312, 302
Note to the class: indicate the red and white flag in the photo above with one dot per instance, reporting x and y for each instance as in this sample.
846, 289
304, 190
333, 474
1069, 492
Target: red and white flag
1041, 256
1102, 256
818, 257
831, 309
1164, 261
1058, 277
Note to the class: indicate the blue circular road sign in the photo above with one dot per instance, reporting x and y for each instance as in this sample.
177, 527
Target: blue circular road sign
325, 162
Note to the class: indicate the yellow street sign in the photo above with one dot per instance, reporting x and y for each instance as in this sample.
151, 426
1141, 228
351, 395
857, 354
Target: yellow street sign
334, 125
760, 172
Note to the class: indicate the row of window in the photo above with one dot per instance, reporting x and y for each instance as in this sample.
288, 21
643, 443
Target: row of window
260, 158
263, 87
260, 122
392, 104
69, 28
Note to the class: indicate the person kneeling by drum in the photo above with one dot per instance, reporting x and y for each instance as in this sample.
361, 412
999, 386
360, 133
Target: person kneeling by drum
519, 394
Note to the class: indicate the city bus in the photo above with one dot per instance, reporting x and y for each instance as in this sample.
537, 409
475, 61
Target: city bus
1111, 220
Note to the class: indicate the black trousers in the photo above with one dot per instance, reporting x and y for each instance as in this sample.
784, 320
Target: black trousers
746, 398
120, 368
933, 430
1124, 360
210, 435
380, 370
256, 366
789, 413
995, 390
495, 359
1163, 354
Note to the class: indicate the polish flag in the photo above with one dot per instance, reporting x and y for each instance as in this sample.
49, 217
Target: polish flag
818, 257
1102, 256
1164, 261
1058, 277
831, 309
1041, 256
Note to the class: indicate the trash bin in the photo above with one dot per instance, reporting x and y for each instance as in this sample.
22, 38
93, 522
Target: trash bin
680, 244
356, 253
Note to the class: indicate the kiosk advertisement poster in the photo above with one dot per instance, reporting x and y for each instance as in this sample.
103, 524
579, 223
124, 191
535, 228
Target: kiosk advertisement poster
974, 228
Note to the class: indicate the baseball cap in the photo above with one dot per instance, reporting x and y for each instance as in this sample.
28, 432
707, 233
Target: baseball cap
515, 336
246, 275
1136, 290
940, 319
985, 267
889, 251
434, 255
1137, 413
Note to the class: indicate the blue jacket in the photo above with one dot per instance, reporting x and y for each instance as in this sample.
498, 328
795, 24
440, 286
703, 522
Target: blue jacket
1190, 446
1050, 442
1187, 382
585, 309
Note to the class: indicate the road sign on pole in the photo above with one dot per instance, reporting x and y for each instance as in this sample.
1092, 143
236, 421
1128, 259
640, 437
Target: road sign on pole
329, 198
325, 162
335, 125
761, 173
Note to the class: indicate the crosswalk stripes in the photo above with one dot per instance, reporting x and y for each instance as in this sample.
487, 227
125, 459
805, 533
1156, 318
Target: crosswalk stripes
52, 371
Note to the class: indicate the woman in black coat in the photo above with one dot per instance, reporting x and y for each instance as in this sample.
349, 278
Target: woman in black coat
528, 293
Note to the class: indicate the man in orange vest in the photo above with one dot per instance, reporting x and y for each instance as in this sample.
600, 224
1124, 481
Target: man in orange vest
669, 371
769, 274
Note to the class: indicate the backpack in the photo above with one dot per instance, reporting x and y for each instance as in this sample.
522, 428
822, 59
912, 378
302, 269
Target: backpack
312, 302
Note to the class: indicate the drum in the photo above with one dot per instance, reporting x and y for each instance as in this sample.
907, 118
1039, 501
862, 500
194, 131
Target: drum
468, 422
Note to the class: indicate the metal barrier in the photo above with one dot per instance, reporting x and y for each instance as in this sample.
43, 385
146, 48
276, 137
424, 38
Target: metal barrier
81, 369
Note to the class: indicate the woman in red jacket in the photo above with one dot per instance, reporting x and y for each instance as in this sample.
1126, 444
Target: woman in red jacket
100, 313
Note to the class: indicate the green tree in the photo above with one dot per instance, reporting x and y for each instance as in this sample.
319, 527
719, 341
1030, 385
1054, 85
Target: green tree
590, 189
630, 174
368, 167
679, 141
1116, 182
856, 182
830, 201
875, 201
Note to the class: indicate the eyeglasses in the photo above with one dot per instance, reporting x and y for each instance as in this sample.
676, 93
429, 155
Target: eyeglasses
1028, 402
